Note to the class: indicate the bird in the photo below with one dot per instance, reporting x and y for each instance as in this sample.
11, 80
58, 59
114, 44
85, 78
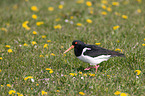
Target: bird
92, 54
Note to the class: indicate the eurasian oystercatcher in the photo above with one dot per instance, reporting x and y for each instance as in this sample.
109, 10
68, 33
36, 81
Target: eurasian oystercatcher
92, 54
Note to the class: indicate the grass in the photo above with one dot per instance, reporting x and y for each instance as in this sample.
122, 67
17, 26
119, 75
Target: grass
116, 74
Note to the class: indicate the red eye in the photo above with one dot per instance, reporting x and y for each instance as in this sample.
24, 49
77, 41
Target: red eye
76, 42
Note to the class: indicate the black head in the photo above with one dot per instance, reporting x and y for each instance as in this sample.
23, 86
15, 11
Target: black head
78, 43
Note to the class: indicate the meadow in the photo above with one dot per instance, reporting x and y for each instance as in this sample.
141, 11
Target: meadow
35, 33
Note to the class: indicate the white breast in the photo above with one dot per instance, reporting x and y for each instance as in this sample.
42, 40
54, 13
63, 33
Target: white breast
93, 60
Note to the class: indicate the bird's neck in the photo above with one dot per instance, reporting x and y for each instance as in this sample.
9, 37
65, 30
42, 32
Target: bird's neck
78, 51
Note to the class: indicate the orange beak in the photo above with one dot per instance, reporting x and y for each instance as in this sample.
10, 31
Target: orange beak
69, 48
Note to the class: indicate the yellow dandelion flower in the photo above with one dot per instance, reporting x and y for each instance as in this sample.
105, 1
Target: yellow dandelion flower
11, 92
57, 26
8, 46
19, 94
39, 23
80, 1
64, 55
43, 36
104, 13
1, 58
89, 20
88, 3
51, 71
41, 56
97, 43
57, 19
34, 32
85, 75
33, 42
43, 93
115, 3
52, 54
139, 1
123, 94
57, 91
24, 25
8, 85
8, 24
124, 17
117, 92
109, 9
28, 77
48, 40
25, 44
115, 27
34, 8
71, 17
62, 47
139, 10
48, 69
104, 1
144, 39
92, 74
81, 93
37, 84
34, 16
4, 29
10, 50
103, 6
50, 8
80, 72
45, 46
26, 0
137, 71
0, 70
79, 24
118, 49
143, 44
60, 6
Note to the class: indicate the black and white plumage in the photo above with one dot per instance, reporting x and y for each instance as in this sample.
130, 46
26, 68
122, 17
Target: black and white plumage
92, 54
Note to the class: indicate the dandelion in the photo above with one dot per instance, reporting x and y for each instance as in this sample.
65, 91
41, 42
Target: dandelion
34, 8
115, 3
57, 91
33, 42
45, 46
80, 72
48, 40
124, 17
0, 70
57, 26
9, 85
62, 47
89, 20
64, 55
85, 75
115, 27
109, 9
52, 54
41, 56
37, 84
24, 25
72, 74
60, 6
11, 92
43, 36
80, 1
1, 58
50, 8
139, 1
117, 92
97, 43
139, 10
48, 69
10, 50
104, 7
143, 44
39, 23
34, 32
4, 29
51, 71
137, 71
2, 85
19, 94
79, 24
88, 3
8, 46
81, 93
28, 77
92, 74
71, 17
123, 94
43, 93
118, 49
25, 44
104, 1
34, 16
104, 13
57, 19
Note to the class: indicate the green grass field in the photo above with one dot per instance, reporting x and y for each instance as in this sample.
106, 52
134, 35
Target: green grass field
32, 62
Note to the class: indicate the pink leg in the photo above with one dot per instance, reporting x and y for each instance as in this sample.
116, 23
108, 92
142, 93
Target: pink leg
96, 66
88, 68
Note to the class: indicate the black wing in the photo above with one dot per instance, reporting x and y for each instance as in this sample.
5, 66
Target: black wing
97, 51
